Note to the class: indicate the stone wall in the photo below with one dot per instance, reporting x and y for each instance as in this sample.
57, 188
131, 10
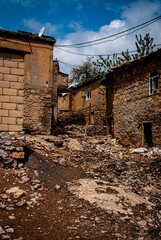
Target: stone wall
38, 94
133, 106
11, 91
95, 115
38, 110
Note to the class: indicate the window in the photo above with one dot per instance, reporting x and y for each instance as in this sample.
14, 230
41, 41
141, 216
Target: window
63, 79
153, 82
88, 94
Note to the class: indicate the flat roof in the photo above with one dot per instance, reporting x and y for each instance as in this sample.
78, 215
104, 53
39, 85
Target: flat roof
27, 35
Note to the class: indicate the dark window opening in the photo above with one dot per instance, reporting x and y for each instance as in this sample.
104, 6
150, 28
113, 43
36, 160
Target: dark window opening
148, 135
88, 94
153, 82
63, 79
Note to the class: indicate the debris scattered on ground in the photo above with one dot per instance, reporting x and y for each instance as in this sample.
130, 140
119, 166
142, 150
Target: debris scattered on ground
74, 185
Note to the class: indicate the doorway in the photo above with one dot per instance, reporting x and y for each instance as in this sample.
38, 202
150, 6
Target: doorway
147, 134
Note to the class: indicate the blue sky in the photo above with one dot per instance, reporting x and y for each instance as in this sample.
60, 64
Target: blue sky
60, 16
71, 21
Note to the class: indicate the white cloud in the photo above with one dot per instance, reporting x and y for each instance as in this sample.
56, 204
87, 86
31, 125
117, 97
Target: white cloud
114, 25
134, 14
141, 11
36, 26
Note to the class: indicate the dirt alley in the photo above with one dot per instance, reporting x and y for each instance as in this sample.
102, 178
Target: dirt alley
82, 187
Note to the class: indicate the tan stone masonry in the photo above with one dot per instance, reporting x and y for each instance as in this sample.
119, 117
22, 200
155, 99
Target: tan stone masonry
11, 92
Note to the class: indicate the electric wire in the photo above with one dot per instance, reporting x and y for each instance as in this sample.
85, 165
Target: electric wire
62, 67
111, 40
91, 55
113, 35
67, 64
97, 55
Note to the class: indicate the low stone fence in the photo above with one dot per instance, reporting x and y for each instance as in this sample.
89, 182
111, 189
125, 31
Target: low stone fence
12, 149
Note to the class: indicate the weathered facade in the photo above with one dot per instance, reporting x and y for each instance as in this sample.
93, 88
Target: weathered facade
62, 78
134, 101
89, 100
62, 86
26, 75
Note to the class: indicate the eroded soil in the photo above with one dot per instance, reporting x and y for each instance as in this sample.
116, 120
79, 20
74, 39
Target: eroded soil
89, 188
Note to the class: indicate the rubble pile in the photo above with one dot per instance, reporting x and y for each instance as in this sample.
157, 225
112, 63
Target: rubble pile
69, 118
11, 149
89, 130
121, 181
116, 196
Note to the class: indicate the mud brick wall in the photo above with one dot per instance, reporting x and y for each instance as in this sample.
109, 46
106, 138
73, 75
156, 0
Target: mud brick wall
11, 92
133, 106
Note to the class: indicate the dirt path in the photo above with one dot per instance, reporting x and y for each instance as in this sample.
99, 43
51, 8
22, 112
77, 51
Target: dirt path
103, 193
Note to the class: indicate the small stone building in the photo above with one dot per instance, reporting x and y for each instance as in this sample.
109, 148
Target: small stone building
88, 99
134, 101
62, 78
26, 82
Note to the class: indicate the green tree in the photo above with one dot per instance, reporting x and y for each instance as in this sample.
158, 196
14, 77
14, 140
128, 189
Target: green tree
144, 45
84, 72
125, 56
104, 64
90, 70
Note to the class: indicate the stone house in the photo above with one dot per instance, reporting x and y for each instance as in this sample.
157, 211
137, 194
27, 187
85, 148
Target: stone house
88, 100
62, 86
62, 78
133, 97
26, 82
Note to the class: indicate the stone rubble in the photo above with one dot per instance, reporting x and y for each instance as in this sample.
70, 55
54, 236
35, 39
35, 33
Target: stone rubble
104, 160
17, 197
11, 149
122, 185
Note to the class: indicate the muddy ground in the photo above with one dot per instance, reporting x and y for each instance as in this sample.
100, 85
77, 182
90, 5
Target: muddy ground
81, 187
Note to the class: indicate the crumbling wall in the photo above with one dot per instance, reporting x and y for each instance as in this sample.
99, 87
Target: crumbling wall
133, 106
38, 90
11, 91
95, 115
37, 111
